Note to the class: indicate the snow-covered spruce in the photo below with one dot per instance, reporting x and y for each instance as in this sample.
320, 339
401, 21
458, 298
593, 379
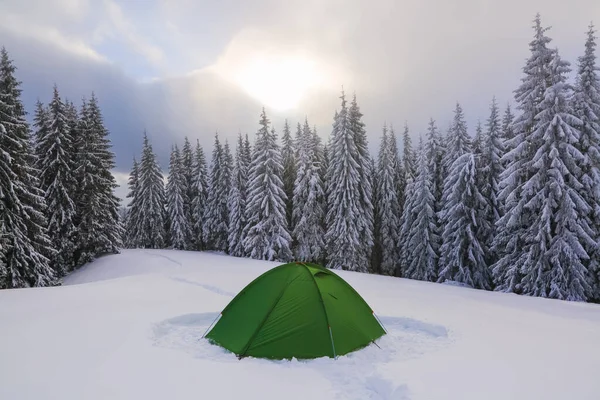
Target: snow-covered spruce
458, 141
132, 225
288, 158
216, 213
363, 161
376, 249
24, 242
433, 150
41, 123
151, 224
554, 255
422, 240
238, 198
187, 165
507, 133
54, 156
400, 177
200, 182
509, 243
99, 229
478, 139
489, 170
409, 158
266, 234
322, 162
350, 209
308, 200
462, 252
180, 229
387, 206
586, 104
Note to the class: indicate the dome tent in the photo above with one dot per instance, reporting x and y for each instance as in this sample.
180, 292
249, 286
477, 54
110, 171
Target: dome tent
298, 310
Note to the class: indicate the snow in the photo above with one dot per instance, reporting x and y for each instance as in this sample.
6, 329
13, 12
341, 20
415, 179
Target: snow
130, 326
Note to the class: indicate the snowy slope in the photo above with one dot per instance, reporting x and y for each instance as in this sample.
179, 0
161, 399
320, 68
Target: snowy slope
129, 327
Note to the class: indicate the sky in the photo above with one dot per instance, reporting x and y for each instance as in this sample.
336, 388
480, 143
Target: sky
177, 68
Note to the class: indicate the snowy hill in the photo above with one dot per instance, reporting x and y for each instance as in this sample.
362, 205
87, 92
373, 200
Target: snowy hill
129, 327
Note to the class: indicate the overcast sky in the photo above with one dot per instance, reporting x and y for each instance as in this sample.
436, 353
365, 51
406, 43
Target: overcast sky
193, 67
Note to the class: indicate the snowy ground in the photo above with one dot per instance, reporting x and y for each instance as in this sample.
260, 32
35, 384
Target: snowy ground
129, 327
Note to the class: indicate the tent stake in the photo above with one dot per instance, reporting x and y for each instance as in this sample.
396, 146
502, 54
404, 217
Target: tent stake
332, 346
210, 326
378, 320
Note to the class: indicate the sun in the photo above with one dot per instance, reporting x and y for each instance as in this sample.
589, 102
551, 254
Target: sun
278, 82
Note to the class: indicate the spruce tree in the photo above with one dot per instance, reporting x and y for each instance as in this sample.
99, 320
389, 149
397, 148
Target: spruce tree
376, 251
267, 236
422, 241
325, 180
554, 255
507, 132
407, 216
25, 246
489, 171
388, 207
349, 215
407, 219
308, 212
238, 196
41, 123
57, 181
509, 243
179, 224
323, 161
99, 229
400, 175
478, 139
152, 200
408, 156
288, 156
132, 234
363, 160
458, 141
73, 121
462, 252
216, 213
200, 182
187, 165
586, 104
433, 149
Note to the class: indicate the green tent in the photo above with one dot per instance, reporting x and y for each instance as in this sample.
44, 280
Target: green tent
296, 310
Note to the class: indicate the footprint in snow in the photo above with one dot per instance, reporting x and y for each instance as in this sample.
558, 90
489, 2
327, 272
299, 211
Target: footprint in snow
353, 376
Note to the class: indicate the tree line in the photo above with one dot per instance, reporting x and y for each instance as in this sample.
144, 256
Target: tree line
513, 207
58, 210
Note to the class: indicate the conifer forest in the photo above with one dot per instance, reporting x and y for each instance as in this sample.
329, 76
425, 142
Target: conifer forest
511, 204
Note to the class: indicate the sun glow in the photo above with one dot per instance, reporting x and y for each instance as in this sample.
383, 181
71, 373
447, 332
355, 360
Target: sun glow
278, 82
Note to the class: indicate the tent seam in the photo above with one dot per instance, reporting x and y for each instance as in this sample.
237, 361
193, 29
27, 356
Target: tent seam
243, 353
312, 277
241, 293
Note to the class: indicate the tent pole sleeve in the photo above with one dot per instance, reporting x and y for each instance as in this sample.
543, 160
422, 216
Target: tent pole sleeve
332, 345
210, 326
380, 323
322, 304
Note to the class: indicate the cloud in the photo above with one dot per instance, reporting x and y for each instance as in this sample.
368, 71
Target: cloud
119, 25
406, 61
26, 28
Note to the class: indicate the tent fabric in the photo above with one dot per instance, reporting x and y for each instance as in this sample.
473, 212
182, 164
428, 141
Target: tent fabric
296, 310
